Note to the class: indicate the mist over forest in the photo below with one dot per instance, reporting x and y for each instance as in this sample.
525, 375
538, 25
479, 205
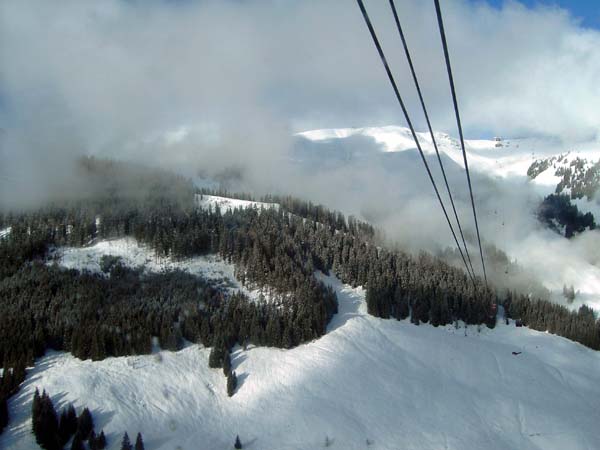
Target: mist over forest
217, 225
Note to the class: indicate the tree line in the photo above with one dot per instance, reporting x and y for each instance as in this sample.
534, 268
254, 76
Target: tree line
53, 431
580, 326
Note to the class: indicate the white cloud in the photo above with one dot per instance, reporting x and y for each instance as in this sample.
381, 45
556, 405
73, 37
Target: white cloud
115, 69
220, 83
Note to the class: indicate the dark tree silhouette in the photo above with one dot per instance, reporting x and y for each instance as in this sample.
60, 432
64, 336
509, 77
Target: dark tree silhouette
68, 424
231, 383
77, 443
45, 422
226, 363
85, 424
3, 413
101, 441
126, 443
139, 443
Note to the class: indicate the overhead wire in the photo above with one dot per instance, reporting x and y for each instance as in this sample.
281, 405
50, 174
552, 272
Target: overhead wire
460, 131
429, 127
411, 127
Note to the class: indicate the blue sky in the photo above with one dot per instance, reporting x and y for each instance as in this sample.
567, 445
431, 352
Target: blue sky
586, 10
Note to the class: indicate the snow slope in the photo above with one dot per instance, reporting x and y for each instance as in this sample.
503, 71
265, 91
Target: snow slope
394, 384
506, 206
498, 157
229, 204
5, 232
211, 267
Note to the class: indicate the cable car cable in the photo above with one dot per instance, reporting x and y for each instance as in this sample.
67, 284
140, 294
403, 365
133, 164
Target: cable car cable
458, 122
435, 146
410, 125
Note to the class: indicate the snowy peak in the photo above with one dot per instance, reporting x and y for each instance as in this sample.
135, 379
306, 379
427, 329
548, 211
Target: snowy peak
572, 174
391, 138
497, 156
494, 156
396, 138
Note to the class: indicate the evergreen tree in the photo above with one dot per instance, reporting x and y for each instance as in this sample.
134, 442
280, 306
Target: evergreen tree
226, 363
67, 425
101, 441
45, 422
125, 443
36, 408
77, 443
63, 433
97, 350
569, 293
231, 383
85, 424
71, 425
3, 413
238, 443
217, 353
92, 440
139, 443
51, 439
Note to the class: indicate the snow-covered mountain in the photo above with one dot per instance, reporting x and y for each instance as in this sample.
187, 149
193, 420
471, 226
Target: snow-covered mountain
367, 384
498, 156
549, 164
506, 194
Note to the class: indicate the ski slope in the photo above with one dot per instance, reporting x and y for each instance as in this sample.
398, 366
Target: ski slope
367, 384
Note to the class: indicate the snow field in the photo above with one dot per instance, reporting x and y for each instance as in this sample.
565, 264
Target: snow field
397, 385
229, 204
133, 254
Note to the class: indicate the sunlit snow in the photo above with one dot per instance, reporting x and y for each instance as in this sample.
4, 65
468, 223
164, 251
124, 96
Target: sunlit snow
391, 384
